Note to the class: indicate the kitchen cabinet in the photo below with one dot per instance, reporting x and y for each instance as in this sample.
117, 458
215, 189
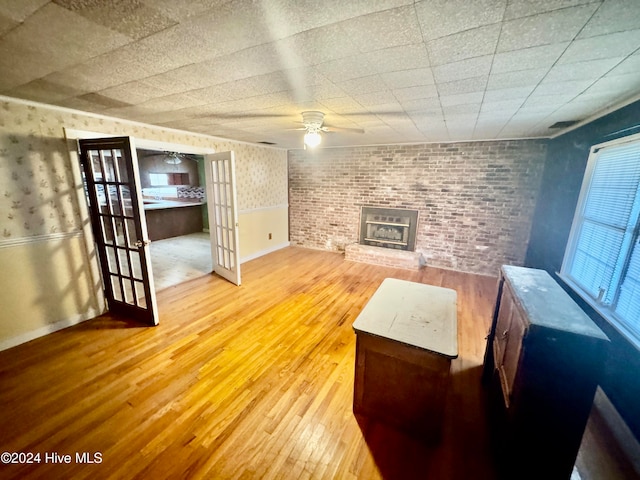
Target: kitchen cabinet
166, 219
543, 362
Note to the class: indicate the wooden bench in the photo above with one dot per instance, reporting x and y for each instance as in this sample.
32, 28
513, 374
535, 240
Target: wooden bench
406, 337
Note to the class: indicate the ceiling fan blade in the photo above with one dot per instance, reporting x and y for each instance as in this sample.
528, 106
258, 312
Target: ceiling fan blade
341, 129
240, 116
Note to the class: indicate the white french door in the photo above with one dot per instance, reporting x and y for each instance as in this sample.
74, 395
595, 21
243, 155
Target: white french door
223, 216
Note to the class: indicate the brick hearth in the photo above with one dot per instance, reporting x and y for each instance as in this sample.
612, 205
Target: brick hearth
384, 256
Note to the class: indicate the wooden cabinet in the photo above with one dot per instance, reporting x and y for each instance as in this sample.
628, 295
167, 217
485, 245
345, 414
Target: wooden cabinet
173, 222
406, 337
543, 362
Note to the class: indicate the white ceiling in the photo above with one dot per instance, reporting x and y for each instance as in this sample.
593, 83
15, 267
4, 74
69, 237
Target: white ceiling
404, 71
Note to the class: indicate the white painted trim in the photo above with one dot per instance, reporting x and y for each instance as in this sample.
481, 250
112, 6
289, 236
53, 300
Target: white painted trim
266, 251
73, 134
47, 329
446, 142
263, 209
15, 242
597, 116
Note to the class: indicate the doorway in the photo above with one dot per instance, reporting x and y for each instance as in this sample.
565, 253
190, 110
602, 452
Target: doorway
221, 203
173, 189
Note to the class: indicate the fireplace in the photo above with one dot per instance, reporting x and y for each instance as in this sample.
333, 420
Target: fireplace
388, 227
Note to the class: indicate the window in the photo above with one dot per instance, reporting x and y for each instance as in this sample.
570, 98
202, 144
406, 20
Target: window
163, 179
602, 259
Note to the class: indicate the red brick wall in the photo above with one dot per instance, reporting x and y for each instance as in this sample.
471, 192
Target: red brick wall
475, 199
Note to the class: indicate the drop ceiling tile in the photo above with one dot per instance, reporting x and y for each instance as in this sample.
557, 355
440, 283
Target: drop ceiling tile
123, 65
588, 70
526, 8
422, 120
104, 101
326, 91
131, 18
177, 46
408, 78
546, 28
506, 107
347, 68
465, 98
42, 90
439, 18
394, 59
19, 11
375, 98
189, 77
183, 9
7, 24
313, 47
369, 84
471, 43
629, 65
463, 108
605, 46
134, 92
521, 78
77, 103
613, 16
258, 85
623, 85
517, 93
468, 85
473, 67
381, 30
543, 56
422, 105
544, 103
485, 133
341, 106
230, 28
83, 41
572, 87
413, 93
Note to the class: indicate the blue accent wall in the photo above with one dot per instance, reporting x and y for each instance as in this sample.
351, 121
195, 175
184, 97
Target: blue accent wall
565, 165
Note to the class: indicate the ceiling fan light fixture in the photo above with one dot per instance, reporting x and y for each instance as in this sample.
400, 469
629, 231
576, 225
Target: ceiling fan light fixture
312, 139
173, 159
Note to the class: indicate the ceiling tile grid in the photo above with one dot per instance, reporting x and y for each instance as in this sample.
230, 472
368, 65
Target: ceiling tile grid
401, 70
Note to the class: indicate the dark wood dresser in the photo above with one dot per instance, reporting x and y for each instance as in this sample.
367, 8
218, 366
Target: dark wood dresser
543, 362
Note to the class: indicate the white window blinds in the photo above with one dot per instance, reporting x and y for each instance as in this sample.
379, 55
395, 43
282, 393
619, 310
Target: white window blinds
603, 257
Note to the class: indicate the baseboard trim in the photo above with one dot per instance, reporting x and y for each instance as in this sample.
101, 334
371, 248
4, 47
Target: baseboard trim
47, 329
266, 251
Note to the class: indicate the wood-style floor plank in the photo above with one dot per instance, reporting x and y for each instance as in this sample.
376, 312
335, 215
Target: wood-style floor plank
239, 382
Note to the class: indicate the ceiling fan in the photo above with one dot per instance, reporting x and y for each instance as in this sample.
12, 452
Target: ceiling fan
313, 122
172, 158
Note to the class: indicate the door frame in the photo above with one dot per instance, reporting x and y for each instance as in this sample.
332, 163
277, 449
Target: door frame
72, 136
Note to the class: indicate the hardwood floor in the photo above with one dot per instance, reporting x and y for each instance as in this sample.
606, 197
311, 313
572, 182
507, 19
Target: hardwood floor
239, 382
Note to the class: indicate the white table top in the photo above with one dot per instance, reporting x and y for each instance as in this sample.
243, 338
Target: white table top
416, 314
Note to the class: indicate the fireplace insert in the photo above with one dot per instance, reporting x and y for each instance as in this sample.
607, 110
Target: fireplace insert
388, 227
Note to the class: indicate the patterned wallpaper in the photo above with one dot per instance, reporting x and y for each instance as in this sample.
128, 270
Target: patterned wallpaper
37, 194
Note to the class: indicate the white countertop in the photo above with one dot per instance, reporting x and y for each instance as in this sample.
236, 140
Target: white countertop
160, 204
416, 314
